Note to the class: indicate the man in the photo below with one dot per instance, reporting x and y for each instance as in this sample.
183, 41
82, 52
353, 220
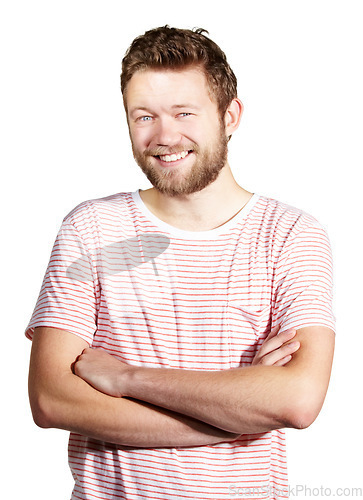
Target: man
181, 328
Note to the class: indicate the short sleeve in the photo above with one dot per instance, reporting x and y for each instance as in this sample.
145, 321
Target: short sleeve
303, 289
68, 296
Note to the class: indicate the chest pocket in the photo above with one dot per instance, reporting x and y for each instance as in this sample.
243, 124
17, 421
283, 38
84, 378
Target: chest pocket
247, 327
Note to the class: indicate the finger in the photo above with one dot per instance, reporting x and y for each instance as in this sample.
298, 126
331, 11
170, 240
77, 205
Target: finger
73, 365
283, 361
276, 342
273, 357
273, 333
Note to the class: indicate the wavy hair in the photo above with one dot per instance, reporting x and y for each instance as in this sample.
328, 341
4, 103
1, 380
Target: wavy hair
174, 48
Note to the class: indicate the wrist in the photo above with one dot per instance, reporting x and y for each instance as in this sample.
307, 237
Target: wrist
126, 381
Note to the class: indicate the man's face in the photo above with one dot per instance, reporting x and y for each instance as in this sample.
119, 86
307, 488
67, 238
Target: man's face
178, 138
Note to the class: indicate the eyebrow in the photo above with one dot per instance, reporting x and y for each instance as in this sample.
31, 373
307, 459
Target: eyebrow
138, 108
189, 106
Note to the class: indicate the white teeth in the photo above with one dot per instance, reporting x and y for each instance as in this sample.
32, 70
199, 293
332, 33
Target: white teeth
174, 157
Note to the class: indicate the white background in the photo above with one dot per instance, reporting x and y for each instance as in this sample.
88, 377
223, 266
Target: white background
64, 140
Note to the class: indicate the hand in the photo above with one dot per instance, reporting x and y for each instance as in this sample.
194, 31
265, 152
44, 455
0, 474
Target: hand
277, 350
102, 371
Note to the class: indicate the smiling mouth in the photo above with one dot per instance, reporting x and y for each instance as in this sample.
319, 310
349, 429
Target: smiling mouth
171, 158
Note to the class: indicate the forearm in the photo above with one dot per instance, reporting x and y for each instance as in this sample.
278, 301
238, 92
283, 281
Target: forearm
83, 410
247, 400
61, 399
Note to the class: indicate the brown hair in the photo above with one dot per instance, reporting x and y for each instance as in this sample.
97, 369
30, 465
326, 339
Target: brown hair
175, 48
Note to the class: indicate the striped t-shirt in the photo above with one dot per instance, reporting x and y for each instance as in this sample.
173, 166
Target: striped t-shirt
159, 296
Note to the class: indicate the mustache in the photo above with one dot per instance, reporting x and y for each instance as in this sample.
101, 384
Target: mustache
163, 150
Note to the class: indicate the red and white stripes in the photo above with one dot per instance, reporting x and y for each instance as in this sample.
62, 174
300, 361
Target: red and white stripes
159, 296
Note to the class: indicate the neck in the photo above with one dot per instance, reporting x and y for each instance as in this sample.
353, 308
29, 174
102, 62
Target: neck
201, 211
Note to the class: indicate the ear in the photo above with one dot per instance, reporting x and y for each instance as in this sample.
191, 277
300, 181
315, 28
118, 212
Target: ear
233, 116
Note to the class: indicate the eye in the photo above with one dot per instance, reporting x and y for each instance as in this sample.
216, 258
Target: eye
184, 114
144, 118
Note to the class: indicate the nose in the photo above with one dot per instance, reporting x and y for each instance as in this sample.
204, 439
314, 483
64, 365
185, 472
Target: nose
166, 132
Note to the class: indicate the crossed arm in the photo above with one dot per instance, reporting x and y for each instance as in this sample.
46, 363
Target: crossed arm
150, 407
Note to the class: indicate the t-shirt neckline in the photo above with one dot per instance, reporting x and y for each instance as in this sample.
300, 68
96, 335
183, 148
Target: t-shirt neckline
194, 235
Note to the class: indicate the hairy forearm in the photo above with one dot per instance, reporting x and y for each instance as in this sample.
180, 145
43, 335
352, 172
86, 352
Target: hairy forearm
61, 399
246, 400
80, 408
243, 400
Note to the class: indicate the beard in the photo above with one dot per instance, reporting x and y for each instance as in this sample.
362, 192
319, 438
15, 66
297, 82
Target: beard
208, 163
